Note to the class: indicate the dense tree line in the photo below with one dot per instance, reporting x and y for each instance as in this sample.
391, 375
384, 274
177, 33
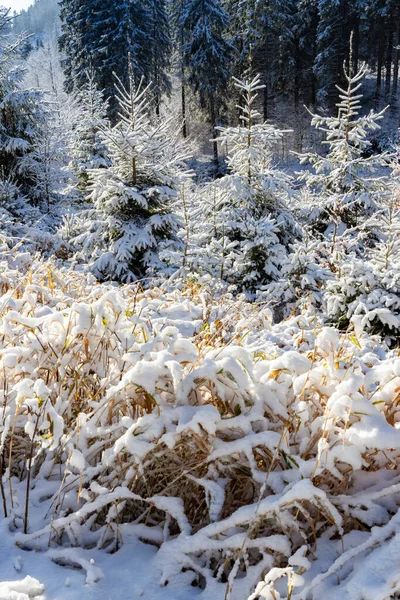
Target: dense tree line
297, 46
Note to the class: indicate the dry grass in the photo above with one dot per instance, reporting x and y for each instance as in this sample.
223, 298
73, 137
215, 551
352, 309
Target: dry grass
220, 435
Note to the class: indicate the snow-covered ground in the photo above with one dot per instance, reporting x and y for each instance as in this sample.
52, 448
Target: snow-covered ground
175, 444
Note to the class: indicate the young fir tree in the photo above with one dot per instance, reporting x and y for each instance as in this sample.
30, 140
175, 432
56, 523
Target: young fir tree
131, 219
248, 222
88, 149
344, 193
22, 113
366, 290
45, 165
207, 55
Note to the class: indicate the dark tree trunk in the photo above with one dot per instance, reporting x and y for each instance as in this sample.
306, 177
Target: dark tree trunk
266, 78
265, 101
214, 123
183, 96
389, 56
381, 48
396, 57
297, 71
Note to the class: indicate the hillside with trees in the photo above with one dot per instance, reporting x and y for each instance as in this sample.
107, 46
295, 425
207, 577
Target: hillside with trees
200, 300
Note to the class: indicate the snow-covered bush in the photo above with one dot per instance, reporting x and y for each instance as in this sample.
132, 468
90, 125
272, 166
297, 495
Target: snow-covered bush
303, 279
366, 294
368, 291
192, 422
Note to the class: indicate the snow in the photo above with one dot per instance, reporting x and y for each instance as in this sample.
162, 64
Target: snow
146, 390
199, 380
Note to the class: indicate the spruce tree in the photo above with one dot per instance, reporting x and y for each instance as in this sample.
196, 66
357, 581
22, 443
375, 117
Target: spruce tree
76, 41
249, 225
106, 37
88, 149
180, 36
344, 193
22, 113
160, 49
131, 219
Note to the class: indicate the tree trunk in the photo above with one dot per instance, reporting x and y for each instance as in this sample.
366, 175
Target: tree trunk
265, 102
183, 91
389, 56
297, 71
183, 96
380, 54
213, 123
313, 77
396, 58
266, 77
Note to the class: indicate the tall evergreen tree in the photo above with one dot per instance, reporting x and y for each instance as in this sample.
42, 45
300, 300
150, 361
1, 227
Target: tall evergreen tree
160, 49
107, 37
177, 13
207, 55
337, 20
273, 49
22, 111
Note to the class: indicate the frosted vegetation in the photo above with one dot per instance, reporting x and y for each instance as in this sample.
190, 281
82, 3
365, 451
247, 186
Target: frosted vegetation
208, 366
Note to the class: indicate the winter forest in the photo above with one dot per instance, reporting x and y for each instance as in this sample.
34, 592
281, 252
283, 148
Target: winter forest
200, 300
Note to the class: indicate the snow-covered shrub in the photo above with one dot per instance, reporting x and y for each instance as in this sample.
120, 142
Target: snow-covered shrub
303, 279
131, 220
366, 294
23, 225
192, 422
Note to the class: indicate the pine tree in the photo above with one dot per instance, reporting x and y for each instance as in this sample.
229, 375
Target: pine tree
107, 38
131, 219
177, 14
160, 49
272, 51
88, 150
345, 195
249, 226
46, 164
337, 20
207, 55
22, 111
305, 51
76, 41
